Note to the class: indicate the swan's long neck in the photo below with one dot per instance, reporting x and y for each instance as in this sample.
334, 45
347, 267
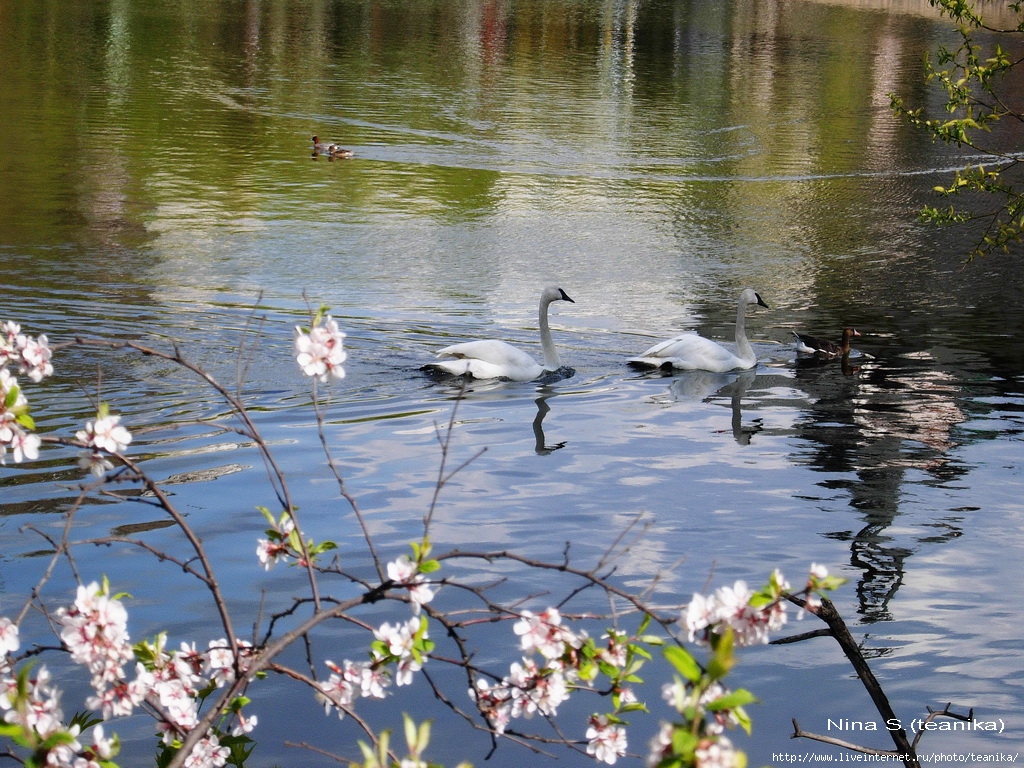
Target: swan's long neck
551, 362
743, 348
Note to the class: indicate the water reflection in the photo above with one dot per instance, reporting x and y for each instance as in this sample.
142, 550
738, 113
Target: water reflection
874, 422
541, 445
706, 387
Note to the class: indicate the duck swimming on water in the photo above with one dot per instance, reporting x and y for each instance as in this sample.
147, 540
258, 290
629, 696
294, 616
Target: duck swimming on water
811, 345
331, 150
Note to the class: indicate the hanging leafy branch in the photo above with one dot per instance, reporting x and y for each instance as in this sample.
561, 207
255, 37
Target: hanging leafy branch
974, 79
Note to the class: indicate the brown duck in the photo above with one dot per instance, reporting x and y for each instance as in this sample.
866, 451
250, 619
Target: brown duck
331, 150
812, 345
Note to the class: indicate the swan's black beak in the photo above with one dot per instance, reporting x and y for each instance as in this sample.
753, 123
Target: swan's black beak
760, 301
565, 296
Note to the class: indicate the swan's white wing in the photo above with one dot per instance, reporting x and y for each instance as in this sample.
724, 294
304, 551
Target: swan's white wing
489, 359
478, 369
690, 352
489, 351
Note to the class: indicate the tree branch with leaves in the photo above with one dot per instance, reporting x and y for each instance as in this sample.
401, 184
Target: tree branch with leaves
975, 79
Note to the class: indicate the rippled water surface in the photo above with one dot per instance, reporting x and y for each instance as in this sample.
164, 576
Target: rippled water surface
652, 159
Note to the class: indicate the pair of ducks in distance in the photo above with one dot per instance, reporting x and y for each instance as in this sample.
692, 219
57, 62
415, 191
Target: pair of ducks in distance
493, 359
331, 150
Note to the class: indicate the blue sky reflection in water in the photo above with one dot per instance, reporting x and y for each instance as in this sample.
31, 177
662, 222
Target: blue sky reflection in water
650, 158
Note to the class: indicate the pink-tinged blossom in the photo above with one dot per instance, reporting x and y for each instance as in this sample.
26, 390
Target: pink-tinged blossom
105, 434
730, 607
116, 700
220, 661
270, 552
95, 631
277, 545
721, 718
66, 754
400, 640
715, 753
101, 748
32, 356
535, 689
605, 741
373, 682
35, 357
660, 745
627, 696
8, 384
245, 725
494, 702
94, 462
9, 335
700, 614
340, 691
9, 642
812, 602
102, 436
208, 753
179, 708
543, 633
22, 444
38, 710
175, 682
615, 653
320, 352
404, 573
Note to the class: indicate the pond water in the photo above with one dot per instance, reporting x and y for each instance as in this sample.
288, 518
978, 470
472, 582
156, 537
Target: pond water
652, 159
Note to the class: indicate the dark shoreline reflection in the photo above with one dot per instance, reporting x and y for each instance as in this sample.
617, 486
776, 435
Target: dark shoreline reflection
875, 421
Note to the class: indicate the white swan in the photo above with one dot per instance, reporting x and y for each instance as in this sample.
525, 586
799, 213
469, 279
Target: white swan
690, 352
493, 359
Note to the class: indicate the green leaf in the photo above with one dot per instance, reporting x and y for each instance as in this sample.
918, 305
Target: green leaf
733, 700
429, 566
84, 720
410, 733
644, 624
684, 663
724, 659
12, 396
641, 652
267, 514
323, 546
238, 702
635, 706
684, 744
743, 719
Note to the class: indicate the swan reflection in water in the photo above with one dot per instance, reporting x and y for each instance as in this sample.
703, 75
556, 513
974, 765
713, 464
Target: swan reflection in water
488, 389
706, 386
541, 446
